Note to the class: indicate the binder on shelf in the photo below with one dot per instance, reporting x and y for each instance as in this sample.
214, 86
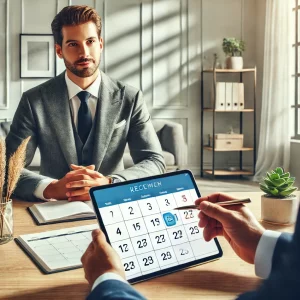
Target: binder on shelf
228, 96
220, 96
235, 96
241, 96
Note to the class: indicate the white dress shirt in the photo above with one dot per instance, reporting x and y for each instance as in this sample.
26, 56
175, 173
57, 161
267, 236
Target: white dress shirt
264, 253
73, 90
262, 262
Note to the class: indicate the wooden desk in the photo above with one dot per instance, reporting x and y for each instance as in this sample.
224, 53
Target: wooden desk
221, 279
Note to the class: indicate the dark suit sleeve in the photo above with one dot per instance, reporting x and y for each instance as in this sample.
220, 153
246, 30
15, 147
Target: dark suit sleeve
282, 245
284, 280
114, 290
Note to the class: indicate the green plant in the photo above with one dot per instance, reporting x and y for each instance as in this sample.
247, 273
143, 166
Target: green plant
233, 46
278, 183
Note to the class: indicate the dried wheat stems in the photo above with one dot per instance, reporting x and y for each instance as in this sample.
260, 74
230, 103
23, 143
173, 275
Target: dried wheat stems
15, 166
9, 181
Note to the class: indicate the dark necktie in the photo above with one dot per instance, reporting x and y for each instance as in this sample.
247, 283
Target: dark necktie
84, 116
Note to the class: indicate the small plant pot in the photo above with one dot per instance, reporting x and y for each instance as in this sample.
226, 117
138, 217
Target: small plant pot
279, 210
234, 62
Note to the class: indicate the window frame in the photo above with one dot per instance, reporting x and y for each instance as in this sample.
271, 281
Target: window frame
296, 45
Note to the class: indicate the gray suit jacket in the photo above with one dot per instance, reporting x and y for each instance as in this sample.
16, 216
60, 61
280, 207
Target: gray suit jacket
44, 114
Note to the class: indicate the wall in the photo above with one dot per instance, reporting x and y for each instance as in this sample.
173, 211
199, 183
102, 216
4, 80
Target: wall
157, 46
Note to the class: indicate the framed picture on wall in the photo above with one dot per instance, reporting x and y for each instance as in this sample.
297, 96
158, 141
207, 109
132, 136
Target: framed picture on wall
37, 56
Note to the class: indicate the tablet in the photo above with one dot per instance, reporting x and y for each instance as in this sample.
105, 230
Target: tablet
153, 239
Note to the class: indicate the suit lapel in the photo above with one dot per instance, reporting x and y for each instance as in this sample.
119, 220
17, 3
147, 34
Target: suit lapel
107, 114
57, 107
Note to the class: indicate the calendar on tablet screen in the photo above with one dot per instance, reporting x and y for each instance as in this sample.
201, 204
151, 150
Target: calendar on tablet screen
140, 222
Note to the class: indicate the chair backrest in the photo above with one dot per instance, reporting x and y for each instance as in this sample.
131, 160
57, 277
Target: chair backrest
4, 128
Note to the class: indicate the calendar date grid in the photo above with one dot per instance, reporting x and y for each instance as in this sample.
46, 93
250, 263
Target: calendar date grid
135, 213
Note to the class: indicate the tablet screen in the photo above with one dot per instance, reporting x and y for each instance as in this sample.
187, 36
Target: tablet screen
139, 221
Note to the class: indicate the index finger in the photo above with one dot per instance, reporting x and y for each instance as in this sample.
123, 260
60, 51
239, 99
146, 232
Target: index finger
85, 171
214, 198
99, 238
76, 167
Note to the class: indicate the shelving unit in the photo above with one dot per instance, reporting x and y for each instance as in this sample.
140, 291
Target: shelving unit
213, 171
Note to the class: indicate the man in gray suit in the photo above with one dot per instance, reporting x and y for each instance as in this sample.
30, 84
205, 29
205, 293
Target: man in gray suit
82, 119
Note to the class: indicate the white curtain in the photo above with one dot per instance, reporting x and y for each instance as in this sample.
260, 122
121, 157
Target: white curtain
277, 94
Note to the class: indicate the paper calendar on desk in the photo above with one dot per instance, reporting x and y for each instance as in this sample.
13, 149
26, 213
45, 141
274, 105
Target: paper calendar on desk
57, 250
153, 239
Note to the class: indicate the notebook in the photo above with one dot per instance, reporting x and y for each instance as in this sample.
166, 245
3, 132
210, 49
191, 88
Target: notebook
57, 250
61, 211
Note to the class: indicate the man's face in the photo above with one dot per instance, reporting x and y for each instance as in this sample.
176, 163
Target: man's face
81, 49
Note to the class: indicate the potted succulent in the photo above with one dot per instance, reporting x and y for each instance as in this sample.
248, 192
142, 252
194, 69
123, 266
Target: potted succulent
233, 49
279, 204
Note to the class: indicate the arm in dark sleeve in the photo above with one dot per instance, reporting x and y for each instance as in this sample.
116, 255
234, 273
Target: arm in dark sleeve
114, 290
284, 280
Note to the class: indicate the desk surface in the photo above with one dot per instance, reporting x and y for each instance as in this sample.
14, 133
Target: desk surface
221, 279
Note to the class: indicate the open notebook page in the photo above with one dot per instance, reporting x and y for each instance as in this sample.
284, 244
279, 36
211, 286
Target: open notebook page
60, 209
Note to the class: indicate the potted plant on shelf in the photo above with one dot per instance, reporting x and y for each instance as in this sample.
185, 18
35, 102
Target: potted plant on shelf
233, 48
279, 204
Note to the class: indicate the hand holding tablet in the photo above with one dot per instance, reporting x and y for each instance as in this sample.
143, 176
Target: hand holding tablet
139, 220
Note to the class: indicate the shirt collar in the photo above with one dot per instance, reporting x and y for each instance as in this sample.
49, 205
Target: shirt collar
74, 89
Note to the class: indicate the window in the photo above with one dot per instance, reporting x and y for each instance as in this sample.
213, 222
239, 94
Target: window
296, 73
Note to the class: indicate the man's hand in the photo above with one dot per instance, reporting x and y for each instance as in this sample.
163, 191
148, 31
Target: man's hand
100, 258
59, 189
236, 223
80, 181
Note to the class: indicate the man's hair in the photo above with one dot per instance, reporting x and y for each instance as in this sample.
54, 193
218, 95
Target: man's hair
74, 15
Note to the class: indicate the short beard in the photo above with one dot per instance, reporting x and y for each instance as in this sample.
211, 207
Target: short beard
86, 72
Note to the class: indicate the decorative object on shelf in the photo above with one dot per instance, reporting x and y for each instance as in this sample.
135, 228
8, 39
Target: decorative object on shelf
217, 62
8, 182
37, 56
227, 141
279, 205
233, 48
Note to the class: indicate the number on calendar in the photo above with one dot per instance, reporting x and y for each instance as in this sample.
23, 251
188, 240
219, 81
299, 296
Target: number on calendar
160, 239
136, 226
129, 266
112, 213
142, 243
149, 206
184, 198
194, 230
167, 202
177, 234
131, 210
148, 261
166, 255
124, 248
119, 231
188, 214
155, 222
183, 251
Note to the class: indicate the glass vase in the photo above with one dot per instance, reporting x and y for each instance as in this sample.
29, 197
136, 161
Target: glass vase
6, 222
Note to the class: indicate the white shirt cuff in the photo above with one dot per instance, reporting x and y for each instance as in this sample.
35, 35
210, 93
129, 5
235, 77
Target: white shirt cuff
108, 276
119, 177
264, 253
39, 191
